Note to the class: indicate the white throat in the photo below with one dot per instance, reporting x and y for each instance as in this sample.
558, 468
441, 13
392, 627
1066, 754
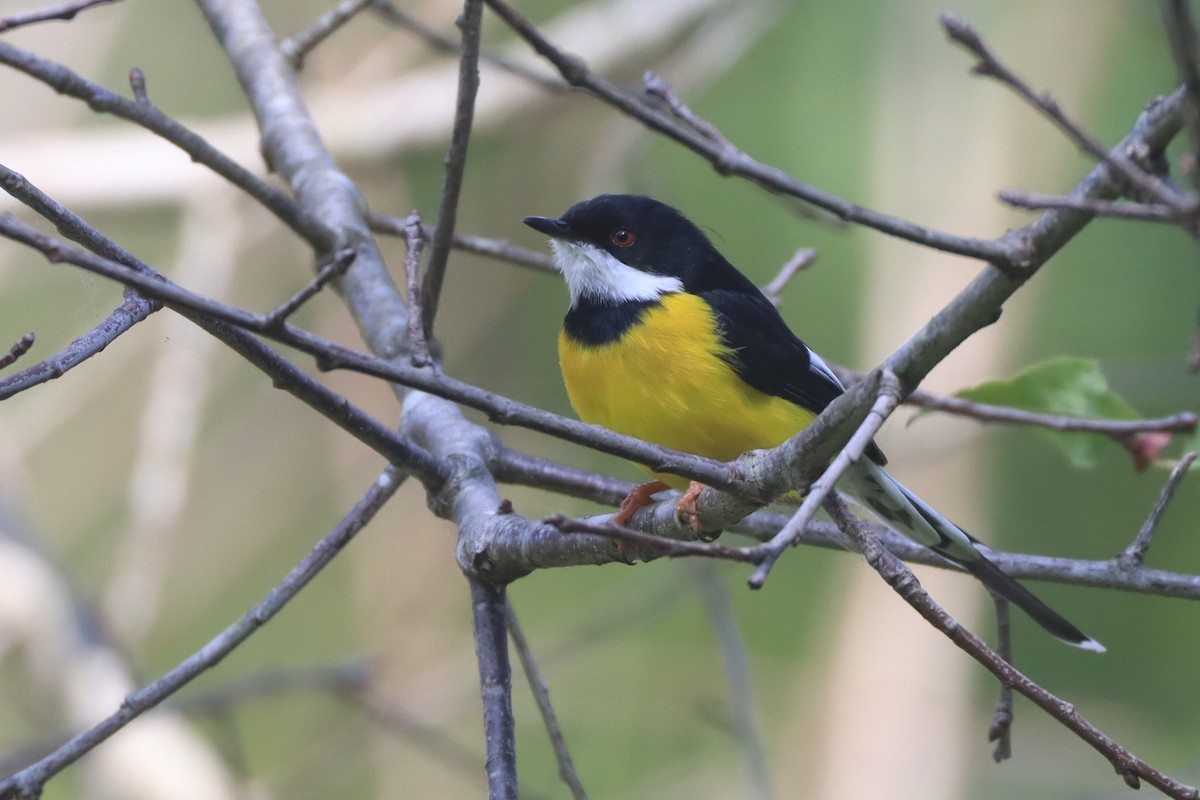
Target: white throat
594, 274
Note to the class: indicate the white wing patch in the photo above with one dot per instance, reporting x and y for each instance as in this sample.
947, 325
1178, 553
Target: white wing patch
595, 274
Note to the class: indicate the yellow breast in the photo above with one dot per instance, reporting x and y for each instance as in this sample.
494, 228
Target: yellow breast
664, 381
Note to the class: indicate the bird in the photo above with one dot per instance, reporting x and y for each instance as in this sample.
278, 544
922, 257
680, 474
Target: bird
665, 340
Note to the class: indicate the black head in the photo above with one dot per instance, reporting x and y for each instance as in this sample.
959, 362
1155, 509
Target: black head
642, 233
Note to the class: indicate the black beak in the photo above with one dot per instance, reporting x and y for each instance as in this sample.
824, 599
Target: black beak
549, 226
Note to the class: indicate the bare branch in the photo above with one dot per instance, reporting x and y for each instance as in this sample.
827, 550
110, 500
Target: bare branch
488, 612
144, 113
887, 398
1118, 429
482, 245
1181, 34
453, 45
1117, 209
1132, 769
731, 161
471, 24
19, 348
297, 48
1000, 729
990, 66
62, 11
1135, 554
211, 315
334, 268
541, 694
294, 149
30, 780
802, 259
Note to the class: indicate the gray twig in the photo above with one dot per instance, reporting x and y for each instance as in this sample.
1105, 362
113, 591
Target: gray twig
488, 604
991, 66
297, 48
141, 111
1181, 34
482, 245
333, 268
1000, 729
731, 161
1117, 209
471, 24
449, 44
1135, 553
541, 695
63, 11
19, 348
801, 260
887, 398
1117, 429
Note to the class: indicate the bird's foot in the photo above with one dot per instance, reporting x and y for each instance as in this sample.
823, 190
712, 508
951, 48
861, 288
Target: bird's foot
685, 509
638, 498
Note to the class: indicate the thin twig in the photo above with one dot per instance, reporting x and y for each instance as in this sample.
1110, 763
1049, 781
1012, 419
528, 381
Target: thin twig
63, 11
1000, 729
1185, 49
887, 399
471, 25
656, 545
137, 84
743, 707
212, 316
655, 86
1135, 553
330, 355
488, 604
413, 244
144, 113
1117, 209
1118, 429
450, 44
19, 348
731, 161
991, 66
333, 268
802, 259
482, 245
297, 48
133, 309
1132, 769
30, 780
541, 695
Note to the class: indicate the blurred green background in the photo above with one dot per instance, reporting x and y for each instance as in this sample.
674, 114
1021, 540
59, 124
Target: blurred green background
170, 486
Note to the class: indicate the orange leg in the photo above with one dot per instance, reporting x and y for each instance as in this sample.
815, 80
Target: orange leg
685, 509
638, 498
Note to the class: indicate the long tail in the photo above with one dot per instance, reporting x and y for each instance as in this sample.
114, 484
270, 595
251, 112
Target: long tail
908, 514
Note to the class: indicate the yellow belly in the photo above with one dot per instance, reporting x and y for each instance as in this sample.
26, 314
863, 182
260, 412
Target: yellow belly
664, 381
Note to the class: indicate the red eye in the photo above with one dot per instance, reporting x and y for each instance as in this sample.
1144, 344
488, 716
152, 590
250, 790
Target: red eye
622, 237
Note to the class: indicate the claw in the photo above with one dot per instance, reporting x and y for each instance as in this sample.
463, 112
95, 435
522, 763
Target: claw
685, 509
638, 498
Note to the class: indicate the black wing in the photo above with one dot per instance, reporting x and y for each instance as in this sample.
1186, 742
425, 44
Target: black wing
769, 357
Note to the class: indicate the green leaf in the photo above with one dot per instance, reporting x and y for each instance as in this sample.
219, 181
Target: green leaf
1067, 387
